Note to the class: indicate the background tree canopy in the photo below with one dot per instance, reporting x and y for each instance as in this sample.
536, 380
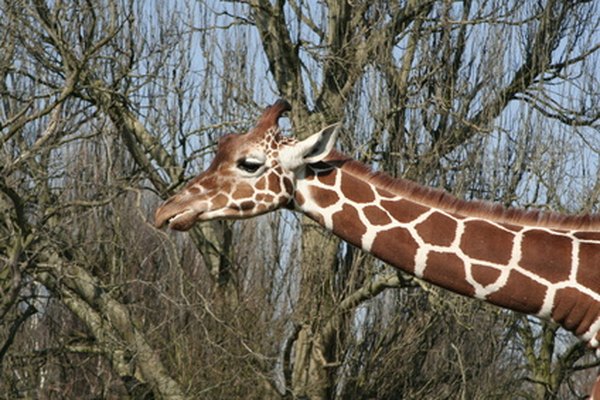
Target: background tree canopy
107, 107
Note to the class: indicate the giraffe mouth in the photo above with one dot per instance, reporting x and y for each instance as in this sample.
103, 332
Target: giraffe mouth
175, 219
183, 221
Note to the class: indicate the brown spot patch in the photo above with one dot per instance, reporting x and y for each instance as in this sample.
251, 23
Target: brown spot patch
299, 198
273, 183
346, 224
403, 210
265, 198
385, 193
356, 190
588, 273
327, 177
243, 206
261, 208
219, 201
520, 293
242, 191
437, 229
324, 197
396, 247
484, 241
574, 310
376, 216
588, 235
287, 183
546, 255
447, 270
194, 190
261, 184
484, 275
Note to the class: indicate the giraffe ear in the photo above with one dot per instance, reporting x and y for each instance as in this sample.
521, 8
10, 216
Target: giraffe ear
311, 150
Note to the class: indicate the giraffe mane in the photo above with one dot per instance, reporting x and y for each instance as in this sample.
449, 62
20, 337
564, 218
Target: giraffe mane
473, 208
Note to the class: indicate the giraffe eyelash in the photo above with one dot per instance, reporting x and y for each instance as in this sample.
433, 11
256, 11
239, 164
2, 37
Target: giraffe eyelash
250, 165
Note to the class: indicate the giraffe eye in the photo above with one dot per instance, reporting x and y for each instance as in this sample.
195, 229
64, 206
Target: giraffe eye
249, 165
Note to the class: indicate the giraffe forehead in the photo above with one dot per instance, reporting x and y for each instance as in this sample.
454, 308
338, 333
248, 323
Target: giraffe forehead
253, 144
257, 149
276, 142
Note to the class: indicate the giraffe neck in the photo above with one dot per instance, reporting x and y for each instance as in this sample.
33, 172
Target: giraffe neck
541, 270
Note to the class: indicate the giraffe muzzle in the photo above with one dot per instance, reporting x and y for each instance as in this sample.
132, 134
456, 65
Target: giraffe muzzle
177, 219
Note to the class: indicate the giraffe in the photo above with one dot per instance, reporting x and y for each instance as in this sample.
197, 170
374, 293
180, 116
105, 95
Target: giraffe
541, 264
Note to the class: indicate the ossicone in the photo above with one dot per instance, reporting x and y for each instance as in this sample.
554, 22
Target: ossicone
271, 115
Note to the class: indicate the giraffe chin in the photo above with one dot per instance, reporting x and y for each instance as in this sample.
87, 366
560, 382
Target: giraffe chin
184, 221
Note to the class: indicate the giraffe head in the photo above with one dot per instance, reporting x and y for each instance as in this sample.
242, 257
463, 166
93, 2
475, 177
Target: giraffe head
251, 174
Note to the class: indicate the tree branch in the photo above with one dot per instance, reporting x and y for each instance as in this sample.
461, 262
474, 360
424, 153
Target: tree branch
87, 299
537, 60
13, 330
